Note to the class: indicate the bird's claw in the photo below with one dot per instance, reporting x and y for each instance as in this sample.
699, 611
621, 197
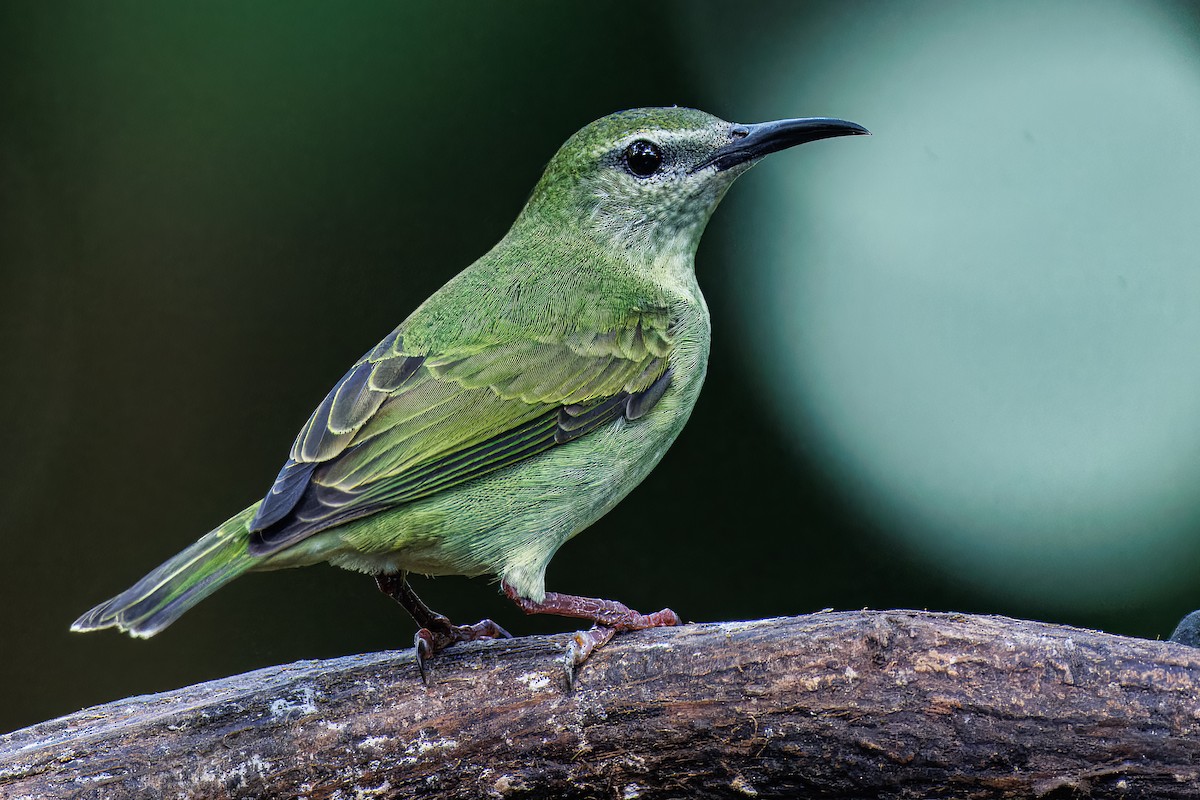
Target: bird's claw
581, 646
428, 642
423, 650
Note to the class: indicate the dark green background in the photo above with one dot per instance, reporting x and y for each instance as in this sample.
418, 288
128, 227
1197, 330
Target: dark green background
207, 211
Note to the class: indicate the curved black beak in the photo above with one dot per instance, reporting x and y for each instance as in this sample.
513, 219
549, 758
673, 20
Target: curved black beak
752, 142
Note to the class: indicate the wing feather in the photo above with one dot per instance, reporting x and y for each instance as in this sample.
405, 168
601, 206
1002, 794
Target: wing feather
401, 426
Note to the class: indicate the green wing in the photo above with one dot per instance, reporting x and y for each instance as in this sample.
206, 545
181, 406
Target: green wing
401, 425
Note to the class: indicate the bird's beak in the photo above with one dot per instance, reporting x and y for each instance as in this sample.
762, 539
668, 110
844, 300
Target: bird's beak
752, 142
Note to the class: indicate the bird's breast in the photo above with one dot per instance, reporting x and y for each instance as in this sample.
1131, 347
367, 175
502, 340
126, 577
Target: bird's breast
691, 333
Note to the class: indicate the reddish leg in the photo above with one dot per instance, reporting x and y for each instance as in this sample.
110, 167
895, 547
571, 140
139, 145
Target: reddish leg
607, 616
436, 633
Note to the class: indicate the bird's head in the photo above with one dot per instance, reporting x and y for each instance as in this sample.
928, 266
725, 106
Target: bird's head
650, 178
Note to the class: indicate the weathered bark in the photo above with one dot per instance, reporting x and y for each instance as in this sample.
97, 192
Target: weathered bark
840, 705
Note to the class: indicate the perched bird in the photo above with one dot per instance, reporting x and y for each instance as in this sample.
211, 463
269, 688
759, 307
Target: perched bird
515, 406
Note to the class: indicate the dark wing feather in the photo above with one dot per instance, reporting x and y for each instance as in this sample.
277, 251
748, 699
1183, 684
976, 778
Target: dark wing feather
285, 493
331, 428
399, 427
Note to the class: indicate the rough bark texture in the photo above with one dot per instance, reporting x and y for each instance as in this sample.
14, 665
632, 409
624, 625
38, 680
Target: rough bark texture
892, 704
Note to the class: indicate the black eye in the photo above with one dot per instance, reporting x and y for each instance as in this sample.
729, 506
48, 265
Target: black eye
643, 158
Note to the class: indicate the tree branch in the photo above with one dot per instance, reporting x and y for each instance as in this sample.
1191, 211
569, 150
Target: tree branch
895, 704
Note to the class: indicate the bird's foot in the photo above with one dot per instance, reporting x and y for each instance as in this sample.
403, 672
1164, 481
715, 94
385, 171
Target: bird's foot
439, 634
436, 633
608, 617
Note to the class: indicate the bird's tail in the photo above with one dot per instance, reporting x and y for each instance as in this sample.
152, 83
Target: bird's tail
161, 597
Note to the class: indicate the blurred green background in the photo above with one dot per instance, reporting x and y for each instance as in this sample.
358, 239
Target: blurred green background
955, 365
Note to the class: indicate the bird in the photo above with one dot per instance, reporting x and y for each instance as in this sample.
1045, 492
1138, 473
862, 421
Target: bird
514, 407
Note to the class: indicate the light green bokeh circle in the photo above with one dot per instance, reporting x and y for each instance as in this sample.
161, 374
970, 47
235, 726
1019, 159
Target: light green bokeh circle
986, 318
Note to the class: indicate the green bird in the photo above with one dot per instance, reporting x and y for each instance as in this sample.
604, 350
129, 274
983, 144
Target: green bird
515, 406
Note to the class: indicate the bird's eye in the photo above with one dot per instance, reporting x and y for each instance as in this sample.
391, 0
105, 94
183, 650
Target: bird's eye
643, 158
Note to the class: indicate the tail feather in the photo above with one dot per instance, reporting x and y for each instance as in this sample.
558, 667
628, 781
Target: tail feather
165, 594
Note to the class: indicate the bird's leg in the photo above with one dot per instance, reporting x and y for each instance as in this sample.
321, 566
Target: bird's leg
607, 617
436, 632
